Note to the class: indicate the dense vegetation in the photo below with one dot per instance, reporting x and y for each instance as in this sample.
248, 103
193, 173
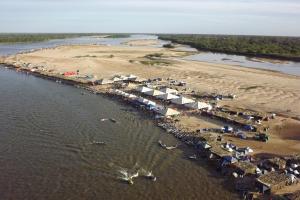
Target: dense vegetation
36, 37
118, 35
262, 46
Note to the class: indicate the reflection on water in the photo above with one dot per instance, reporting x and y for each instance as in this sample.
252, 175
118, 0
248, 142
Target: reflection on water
47, 152
292, 68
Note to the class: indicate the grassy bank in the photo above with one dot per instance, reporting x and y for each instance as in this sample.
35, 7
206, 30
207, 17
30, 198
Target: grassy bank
36, 37
286, 48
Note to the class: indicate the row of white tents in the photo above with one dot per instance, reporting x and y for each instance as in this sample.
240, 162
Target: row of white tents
117, 78
157, 108
171, 94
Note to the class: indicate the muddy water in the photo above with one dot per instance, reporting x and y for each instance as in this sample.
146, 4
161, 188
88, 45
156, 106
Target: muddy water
47, 130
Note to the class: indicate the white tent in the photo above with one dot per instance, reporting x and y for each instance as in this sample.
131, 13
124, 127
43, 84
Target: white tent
116, 79
140, 80
167, 96
131, 77
144, 89
182, 100
142, 100
151, 103
154, 93
197, 105
122, 77
169, 91
168, 112
132, 96
103, 81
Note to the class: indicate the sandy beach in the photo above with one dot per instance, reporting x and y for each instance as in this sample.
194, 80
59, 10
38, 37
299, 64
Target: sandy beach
258, 90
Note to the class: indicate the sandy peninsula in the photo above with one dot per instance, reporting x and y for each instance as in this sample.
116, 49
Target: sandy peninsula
258, 90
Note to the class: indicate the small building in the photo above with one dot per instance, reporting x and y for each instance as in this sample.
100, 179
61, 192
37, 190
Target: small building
244, 168
272, 182
276, 163
216, 151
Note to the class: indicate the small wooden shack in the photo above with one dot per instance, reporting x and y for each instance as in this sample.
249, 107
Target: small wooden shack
272, 182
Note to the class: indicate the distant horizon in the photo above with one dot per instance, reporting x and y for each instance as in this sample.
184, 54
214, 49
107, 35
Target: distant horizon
132, 33
219, 17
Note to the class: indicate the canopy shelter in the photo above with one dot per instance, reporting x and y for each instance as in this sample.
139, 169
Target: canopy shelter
103, 81
151, 103
182, 100
143, 89
169, 91
167, 96
116, 79
198, 105
131, 77
154, 93
143, 100
168, 112
132, 96
122, 77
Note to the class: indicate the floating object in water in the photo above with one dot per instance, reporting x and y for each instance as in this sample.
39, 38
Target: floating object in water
150, 176
165, 146
193, 157
127, 177
147, 174
113, 120
98, 142
103, 119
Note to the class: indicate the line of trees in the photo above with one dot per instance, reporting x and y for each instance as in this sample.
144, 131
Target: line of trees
36, 37
287, 48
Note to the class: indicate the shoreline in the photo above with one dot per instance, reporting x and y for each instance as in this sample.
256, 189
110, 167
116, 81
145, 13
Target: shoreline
169, 125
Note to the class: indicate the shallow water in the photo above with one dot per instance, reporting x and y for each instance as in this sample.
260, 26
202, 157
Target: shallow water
292, 68
46, 131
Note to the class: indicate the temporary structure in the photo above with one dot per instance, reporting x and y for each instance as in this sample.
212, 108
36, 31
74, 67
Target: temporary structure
140, 80
151, 103
198, 105
132, 96
122, 77
168, 112
142, 100
103, 81
144, 89
131, 77
116, 79
154, 93
169, 90
167, 96
182, 100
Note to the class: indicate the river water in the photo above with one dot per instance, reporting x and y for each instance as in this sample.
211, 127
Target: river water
46, 149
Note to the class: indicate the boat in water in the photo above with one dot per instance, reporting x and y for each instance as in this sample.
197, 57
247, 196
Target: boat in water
193, 157
98, 143
165, 146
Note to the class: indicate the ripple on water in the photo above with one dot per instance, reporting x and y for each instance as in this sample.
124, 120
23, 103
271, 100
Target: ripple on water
46, 132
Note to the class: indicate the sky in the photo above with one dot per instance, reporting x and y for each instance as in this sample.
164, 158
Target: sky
239, 17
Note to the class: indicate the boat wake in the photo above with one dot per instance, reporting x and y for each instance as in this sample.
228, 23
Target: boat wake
128, 175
